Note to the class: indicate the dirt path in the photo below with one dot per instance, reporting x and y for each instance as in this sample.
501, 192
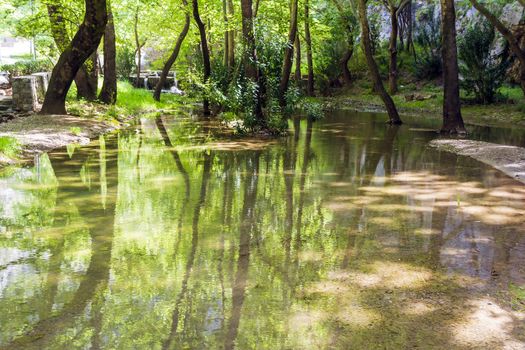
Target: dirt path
508, 159
42, 133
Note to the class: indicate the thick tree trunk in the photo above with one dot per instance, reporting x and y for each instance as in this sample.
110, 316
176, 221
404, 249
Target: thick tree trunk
452, 119
298, 76
288, 54
372, 66
513, 41
392, 48
347, 75
108, 94
250, 58
86, 86
84, 43
173, 57
205, 52
309, 58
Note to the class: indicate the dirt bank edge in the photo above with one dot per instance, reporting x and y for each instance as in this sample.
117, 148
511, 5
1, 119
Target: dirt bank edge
508, 159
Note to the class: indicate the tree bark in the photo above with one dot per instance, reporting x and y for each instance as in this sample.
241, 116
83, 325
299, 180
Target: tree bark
231, 37
309, 59
173, 57
250, 59
108, 93
392, 48
372, 66
452, 119
138, 45
288, 54
205, 52
508, 35
86, 86
298, 76
347, 75
84, 43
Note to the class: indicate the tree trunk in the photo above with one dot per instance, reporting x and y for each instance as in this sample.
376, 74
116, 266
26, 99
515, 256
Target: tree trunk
205, 52
298, 76
173, 57
392, 48
231, 37
108, 94
452, 120
508, 35
60, 35
347, 75
309, 60
250, 59
84, 43
288, 54
226, 35
410, 42
372, 66
138, 82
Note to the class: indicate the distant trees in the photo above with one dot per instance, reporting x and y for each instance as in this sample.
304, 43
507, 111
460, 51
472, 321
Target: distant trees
84, 44
288, 53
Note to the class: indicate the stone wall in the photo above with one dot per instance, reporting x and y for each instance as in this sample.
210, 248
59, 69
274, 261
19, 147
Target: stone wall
25, 97
42, 82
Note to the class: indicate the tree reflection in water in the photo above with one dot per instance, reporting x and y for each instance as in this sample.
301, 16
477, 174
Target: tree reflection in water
347, 234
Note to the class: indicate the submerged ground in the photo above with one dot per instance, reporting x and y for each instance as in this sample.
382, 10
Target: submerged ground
348, 234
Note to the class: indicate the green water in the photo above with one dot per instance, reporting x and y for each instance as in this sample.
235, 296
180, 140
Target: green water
348, 234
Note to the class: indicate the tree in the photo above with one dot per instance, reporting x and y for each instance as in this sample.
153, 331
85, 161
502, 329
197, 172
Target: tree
288, 54
308, 40
512, 39
108, 93
205, 52
250, 59
173, 57
452, 119
86, 79
138, 47
372, 66
394, 8
84, 43
348, 18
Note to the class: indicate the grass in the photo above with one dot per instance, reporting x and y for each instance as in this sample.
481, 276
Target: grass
517, 296
75, 130
9, 146
509, 112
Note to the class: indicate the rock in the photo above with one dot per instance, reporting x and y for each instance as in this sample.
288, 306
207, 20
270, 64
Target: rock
416, 96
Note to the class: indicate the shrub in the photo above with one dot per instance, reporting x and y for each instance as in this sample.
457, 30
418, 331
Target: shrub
26, 67
125, 61
482, 69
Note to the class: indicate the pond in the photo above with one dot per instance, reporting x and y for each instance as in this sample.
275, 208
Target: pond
348, 234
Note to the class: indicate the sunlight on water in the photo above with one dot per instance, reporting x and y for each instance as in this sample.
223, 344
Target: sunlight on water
348, 234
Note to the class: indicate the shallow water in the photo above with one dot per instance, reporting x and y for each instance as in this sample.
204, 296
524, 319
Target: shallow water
348, 234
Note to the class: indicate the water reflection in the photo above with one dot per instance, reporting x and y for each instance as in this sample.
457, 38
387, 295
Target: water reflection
348, 234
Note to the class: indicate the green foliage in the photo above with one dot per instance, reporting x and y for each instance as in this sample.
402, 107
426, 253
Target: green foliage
26, 67
75, 130
125, 61
9, 146
482, 71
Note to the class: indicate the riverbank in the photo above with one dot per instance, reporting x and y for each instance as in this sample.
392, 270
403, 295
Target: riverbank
427, 103
28, 135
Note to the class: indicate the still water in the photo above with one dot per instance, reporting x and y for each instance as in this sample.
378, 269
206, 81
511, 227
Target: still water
348, 234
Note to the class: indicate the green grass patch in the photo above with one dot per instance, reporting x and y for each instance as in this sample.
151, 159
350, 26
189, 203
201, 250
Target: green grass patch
9, 146
517, 294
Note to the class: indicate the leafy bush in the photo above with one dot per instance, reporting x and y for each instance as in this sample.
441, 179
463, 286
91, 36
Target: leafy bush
482, 69
125, 61
26, 67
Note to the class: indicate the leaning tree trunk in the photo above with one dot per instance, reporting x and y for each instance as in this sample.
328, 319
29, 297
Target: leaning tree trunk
173, 57
512, 39
452, 119
205, 52
308, 40
84, 43
62, 40
250, 59
108, 94
288, 54
347, 75
372, 66
392, 48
